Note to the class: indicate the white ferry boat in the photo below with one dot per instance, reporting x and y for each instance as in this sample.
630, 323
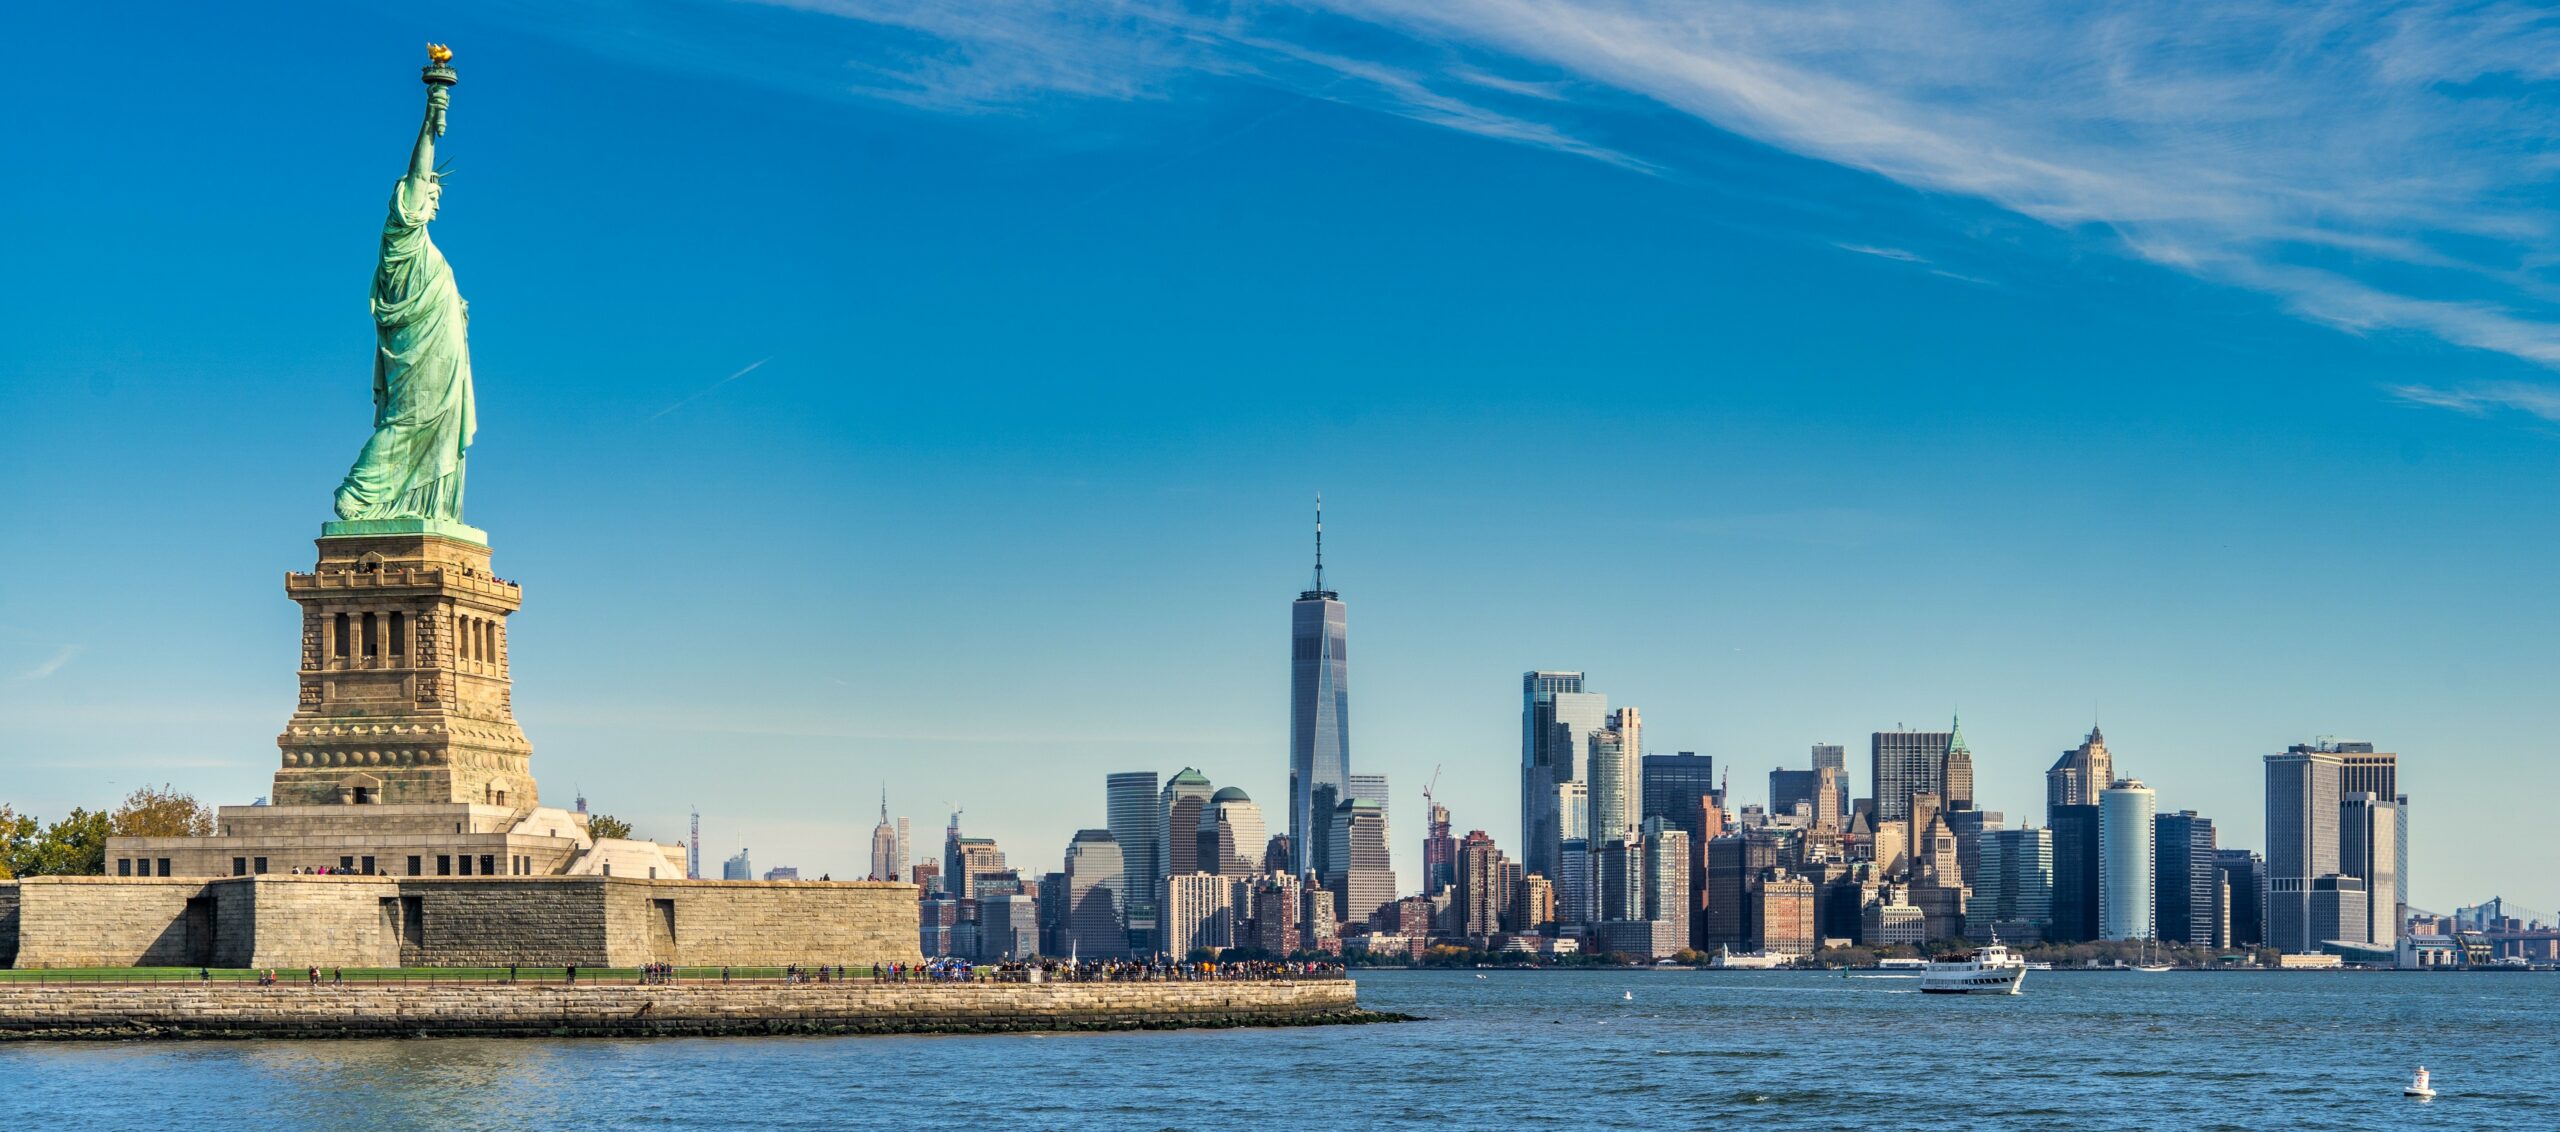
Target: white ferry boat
1991, 969
1912, 965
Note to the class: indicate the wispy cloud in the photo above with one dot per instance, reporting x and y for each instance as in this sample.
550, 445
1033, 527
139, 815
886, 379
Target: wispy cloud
51, 664
1896, 254
2479, 400
2378, 168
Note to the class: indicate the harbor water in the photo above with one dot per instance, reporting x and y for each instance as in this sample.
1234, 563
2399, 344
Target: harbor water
1511, 1049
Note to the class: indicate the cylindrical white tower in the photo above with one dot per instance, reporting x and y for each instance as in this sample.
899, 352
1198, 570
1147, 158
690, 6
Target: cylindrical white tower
2126, 874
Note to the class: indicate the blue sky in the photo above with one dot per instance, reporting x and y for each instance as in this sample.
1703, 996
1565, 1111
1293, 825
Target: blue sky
934, 394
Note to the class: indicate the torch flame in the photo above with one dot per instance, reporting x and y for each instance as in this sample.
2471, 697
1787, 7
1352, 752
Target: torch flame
439, 54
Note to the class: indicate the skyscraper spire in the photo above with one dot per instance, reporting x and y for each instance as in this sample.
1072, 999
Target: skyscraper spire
1319, 588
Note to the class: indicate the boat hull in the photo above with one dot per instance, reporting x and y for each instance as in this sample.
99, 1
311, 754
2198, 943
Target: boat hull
1988, 981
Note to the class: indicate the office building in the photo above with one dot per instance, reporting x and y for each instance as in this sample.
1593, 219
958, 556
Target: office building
2126, 846
1056, 929
1198, 912
782, 872
2368, 826
1817, 792
2243, 876
1941, 906
1573, 883
1439, 852
1969, 827
904, 861
2079, 776
1680, 790
884, 845
1533, 903
1668, 898
1130, 811
1374, 788
1319, 919
1834, 757
1891, 921
1008, 927
1279, 905
1573, 810
2363, 770
1617, 777
1557, 717
1481, 881
2187, 906
2076, 858
2336, 909
1618, 869
967, 859
938, 926
1782, 914
1735, 865
1095, 878
1673, 785
738, 867
1362, 880
1319, 715
1904, 763
1177, 834
2302, 796
1955, 780
1232, 841
2015, 885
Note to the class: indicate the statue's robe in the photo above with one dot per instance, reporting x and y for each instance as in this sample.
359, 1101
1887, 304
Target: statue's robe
423, 416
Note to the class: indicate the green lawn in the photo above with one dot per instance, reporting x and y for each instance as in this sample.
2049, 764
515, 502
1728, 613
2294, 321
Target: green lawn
389, 974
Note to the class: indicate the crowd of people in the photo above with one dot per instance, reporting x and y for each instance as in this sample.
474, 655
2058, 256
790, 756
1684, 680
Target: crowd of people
948, 970
1100, 971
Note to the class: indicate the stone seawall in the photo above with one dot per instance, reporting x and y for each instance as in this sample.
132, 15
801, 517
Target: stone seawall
235, 1010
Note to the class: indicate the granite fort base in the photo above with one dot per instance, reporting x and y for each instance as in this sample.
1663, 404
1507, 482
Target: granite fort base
293, 922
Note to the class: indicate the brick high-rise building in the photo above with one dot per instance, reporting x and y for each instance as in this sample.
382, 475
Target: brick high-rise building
1482, 895
1782, 914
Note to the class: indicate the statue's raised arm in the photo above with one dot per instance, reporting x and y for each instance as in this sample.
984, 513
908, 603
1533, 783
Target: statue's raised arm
423, 412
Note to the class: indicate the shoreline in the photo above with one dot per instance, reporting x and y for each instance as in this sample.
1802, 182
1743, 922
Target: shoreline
54, 1012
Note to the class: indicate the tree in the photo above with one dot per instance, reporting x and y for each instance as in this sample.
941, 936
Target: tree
162, 812
16, 832
74, 846
606, 826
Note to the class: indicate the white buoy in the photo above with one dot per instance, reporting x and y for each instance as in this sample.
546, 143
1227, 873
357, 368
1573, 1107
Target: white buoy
2418, 1086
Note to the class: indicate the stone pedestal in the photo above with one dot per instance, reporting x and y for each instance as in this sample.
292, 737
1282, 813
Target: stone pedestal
404, 685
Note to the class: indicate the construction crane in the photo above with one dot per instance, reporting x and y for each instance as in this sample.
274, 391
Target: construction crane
1429, 802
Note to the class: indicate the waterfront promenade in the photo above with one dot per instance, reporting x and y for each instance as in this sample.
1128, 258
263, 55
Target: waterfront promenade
70, 1007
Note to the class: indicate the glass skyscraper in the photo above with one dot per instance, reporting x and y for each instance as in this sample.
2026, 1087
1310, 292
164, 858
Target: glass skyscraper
1130, 812
1557, 719
2189, 885
1319, 716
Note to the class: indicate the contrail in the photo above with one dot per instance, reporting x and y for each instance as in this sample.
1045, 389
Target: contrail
751, 368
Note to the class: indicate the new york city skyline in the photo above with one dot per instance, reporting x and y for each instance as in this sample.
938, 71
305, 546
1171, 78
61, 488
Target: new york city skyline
949, 519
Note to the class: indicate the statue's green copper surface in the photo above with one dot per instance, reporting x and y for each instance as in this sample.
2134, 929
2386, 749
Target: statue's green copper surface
423, 417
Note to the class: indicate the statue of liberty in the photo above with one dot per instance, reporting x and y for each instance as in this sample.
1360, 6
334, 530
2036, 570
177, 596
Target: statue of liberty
423, 418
